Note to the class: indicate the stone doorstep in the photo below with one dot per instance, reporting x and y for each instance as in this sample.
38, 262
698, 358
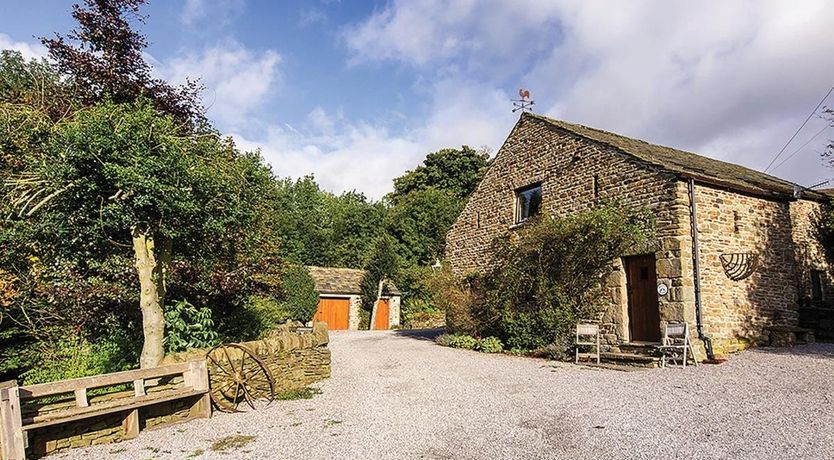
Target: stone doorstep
630, 359
638, 348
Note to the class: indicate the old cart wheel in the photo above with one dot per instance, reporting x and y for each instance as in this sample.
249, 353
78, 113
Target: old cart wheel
237, 375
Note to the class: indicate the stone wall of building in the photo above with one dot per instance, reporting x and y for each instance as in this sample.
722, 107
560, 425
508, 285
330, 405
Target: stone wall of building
569, 169
295, 359
737, 313
354, 317
810, 254
577, 175
393, 311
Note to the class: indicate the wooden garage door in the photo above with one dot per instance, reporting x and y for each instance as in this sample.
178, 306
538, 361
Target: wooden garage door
334, 312
381, 320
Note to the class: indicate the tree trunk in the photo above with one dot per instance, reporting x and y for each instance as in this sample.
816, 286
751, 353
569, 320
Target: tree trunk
376, 302
152, 290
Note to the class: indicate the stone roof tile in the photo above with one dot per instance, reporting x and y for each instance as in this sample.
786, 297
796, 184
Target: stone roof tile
687, 164
333, 280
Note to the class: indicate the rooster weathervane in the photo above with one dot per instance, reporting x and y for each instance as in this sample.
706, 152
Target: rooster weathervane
523, 103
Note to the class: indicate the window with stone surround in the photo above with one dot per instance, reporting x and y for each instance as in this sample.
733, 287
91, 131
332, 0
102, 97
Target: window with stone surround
528, 201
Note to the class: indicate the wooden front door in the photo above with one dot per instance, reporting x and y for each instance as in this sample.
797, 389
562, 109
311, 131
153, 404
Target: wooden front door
381, 319
643, 308
334, 312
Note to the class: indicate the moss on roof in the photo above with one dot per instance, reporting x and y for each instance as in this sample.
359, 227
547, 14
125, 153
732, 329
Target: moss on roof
333, 280
687, 164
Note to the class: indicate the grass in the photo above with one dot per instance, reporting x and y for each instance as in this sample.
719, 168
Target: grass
196, 453
231, 442
329, 423
301, 393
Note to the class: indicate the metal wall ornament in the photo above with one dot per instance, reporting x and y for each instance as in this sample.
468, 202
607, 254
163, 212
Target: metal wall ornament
740, 265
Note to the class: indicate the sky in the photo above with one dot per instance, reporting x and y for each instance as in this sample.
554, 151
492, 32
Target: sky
357, 92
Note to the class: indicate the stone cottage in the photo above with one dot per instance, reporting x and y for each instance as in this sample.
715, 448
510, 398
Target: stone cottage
340, 299
735, 253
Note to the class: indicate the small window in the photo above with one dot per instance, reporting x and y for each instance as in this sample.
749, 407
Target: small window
816, 285
528, 201
644, 273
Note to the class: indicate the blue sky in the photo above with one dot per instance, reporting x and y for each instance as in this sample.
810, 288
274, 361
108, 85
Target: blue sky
358, 92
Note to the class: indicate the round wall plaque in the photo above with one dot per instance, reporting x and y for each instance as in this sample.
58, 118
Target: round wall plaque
662, 289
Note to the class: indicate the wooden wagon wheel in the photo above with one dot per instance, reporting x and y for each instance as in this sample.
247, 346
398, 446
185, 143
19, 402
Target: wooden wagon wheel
237, 375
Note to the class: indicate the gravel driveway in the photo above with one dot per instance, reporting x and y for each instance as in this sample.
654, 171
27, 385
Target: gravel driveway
398, 396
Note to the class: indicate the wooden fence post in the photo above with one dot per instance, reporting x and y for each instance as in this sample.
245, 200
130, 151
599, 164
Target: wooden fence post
12, 438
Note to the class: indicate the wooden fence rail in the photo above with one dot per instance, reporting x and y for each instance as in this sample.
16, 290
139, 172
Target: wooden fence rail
14, 424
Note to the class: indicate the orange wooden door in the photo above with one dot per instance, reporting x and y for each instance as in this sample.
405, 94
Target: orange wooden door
381, 320
334, 312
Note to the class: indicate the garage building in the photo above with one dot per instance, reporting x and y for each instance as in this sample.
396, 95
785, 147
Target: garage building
340, 299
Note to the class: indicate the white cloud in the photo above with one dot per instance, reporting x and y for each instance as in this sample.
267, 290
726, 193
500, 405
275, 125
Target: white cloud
238, 80
27, 49
359, 157
192, 11
209, 13
729, 79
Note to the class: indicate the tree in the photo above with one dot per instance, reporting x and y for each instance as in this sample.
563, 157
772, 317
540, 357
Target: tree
36, 84
457, 171
119, 177
103, 58
356, 224
419, 222
382, 265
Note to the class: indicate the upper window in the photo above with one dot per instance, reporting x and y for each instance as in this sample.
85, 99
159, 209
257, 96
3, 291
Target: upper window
816, 284
528, 201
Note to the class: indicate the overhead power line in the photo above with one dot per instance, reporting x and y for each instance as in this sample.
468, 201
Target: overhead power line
800, 148
798, 130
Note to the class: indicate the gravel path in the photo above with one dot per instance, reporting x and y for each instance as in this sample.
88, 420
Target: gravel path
397, 396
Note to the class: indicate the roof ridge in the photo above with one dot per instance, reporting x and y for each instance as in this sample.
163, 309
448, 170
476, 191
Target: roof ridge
683, 162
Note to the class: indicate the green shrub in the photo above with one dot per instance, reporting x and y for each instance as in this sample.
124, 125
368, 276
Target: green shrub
490, 345
444, 340
300, 297
546, 276
467, 342
464, 341
296, 299
63, 354
187, 327
562, 350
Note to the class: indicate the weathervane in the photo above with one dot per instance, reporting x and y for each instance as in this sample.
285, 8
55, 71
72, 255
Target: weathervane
523, 103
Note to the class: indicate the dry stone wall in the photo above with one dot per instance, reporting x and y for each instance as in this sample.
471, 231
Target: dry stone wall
294, 359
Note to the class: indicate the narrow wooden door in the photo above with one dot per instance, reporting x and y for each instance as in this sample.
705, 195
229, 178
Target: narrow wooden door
643, 307
334, 312
381, 319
